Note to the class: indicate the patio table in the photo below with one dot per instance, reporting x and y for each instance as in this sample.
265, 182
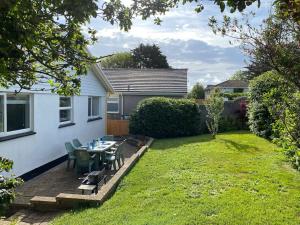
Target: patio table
99, 150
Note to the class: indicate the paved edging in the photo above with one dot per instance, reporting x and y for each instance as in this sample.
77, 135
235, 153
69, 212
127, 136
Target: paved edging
64, 200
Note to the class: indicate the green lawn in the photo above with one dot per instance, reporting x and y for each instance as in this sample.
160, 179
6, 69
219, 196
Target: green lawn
237, 178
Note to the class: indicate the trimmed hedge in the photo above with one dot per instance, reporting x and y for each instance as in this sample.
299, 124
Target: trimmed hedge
165, 117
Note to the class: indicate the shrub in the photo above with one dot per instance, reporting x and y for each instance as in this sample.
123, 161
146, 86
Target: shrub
274, 112
164, 117
7, 184
214, 107
260, 119
285, 110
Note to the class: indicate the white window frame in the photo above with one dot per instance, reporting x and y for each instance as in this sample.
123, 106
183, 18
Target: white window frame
8, 133
66, 108
114, 101
99, 107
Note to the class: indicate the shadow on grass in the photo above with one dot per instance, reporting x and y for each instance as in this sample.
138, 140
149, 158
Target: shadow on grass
233, 145
164, 144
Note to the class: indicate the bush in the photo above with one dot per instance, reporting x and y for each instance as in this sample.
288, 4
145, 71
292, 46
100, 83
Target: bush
164, 117
260, 119
7, 184
286, 128
274, 112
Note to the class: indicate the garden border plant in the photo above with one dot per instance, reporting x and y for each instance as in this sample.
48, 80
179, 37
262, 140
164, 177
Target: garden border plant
7, 184
161, 117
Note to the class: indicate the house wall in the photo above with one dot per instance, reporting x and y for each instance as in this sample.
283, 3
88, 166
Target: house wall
47, 144
224, 90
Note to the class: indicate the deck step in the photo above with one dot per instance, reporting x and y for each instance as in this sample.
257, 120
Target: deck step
43, 203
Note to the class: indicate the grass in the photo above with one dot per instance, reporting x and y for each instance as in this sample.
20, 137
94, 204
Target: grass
237, 178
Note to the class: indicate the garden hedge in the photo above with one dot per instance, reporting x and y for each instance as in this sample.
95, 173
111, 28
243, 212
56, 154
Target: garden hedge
165, 117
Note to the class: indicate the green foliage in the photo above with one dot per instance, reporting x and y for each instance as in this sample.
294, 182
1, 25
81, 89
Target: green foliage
165, 117
143, 56
240, 75
274, 112
284, 106
260, 118
272, 46
42, 40
119, 60
235, 179
149, 56
214, 107
7, 184
197, 92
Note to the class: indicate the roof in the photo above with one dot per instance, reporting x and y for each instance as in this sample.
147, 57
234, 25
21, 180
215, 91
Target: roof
230, 84
96, 68
163, 81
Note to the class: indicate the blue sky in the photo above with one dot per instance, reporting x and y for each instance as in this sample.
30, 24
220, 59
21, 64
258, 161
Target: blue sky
184, 37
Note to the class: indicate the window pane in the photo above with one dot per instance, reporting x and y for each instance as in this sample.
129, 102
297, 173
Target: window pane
90, 107
1, 113
95, 109
64, 102
112, 107
64, 115
18, 113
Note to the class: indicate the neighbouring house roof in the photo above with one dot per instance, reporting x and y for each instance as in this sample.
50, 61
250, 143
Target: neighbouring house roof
230, 84
151, 81
96, 68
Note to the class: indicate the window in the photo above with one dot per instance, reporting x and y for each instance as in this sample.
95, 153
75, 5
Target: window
93, 107
15, 113
113, 105
238, 90
65, 110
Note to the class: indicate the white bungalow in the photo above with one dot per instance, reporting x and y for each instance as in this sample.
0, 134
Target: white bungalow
35, 125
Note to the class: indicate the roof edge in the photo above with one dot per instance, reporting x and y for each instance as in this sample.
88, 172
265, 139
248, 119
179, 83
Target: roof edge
102, 77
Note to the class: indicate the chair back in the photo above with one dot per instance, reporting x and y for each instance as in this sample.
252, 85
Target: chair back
70, 149
108, 138
82, 156
120, 149
76, 143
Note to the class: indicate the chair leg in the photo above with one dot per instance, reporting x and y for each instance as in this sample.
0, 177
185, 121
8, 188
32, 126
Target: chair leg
68, 164
115, 166
119, 162
123, 159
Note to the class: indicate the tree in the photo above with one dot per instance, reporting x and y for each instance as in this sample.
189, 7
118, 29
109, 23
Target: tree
197, 91
41, 41
119, 60
240, 75
149, 56
273, 46
214, 107
7, 184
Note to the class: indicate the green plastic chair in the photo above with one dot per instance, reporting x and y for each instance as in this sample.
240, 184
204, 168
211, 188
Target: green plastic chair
113, 157
84, 160
76, 143
108, 138
71, 156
